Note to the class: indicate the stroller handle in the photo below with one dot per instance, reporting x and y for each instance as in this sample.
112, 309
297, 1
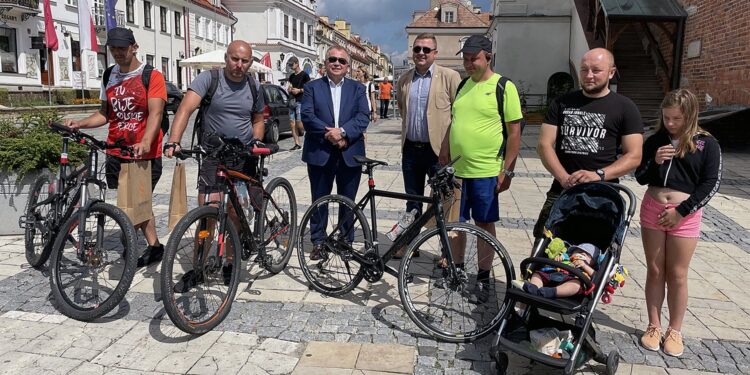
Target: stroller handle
631, 197
551, 262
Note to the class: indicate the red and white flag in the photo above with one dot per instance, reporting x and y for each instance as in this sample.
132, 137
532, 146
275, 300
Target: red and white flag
50, 35
87, 33
266, 60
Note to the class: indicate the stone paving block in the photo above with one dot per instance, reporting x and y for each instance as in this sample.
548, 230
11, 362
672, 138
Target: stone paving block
30, 363
272, 363
281, 347
386, 357
330, 355
321, 371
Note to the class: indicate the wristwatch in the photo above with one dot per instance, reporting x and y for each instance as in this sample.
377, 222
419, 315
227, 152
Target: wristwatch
600, 172
343, 133
508, 173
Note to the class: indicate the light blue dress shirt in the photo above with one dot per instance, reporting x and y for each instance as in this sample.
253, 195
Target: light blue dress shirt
336, 98
416, 130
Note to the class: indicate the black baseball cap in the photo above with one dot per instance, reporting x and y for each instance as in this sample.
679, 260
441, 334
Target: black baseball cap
292, 60
476, 43
120, 37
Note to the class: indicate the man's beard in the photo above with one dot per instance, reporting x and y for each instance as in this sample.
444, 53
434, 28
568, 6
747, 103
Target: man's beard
596, 89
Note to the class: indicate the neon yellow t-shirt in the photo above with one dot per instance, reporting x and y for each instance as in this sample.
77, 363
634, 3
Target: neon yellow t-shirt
476, 132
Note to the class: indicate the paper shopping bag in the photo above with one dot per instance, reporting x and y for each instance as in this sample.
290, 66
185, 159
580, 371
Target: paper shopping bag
451, 206
178, 196
134, 195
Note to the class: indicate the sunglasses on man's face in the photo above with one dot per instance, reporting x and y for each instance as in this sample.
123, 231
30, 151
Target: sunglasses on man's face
418, 49
341, 60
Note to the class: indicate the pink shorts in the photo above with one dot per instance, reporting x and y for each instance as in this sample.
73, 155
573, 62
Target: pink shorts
689, 227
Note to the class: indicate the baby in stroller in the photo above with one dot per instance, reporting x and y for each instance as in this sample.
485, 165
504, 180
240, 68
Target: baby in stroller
551, 282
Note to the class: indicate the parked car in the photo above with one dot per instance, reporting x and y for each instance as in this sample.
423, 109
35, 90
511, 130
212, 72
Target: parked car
276, 113
174, 97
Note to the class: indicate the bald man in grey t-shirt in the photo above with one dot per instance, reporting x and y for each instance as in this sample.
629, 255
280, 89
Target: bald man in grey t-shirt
232, 113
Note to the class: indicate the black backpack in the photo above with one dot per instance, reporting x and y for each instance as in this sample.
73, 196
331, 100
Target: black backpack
499, 95
146, 79
206, 102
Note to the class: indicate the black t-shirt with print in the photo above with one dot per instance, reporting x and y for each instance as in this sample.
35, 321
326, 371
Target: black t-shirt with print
298, 81
590, 130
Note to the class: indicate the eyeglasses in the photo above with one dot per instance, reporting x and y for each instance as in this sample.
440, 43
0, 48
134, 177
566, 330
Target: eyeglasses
341, 60
426, 50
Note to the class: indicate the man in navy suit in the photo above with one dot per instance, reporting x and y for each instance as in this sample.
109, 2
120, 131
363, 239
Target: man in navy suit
335, 116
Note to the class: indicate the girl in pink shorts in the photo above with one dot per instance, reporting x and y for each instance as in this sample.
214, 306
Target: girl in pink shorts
681, 165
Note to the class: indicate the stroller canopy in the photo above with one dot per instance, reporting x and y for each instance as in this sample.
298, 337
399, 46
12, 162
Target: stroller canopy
592, 212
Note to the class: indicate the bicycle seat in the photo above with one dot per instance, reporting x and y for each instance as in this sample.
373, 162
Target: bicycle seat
367, 161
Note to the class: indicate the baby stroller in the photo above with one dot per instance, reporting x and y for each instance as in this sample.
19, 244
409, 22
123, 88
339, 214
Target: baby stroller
588, 213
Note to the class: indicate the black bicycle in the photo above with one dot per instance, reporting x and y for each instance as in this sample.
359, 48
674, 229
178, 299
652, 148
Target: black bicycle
437, 282
90, 242
201, 270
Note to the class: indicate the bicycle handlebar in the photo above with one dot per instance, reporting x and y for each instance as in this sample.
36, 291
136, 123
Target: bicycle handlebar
88, 140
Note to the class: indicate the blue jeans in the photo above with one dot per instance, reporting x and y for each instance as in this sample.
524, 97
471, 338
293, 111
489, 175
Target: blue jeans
417, 162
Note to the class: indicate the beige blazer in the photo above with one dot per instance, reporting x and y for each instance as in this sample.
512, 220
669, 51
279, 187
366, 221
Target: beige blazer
443, 87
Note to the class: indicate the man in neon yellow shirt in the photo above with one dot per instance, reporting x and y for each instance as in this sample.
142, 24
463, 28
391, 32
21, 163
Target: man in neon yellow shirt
476, 135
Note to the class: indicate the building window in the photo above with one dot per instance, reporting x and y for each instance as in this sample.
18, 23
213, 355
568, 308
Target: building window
222, 35
150, 60
201, 30
449, 17
130, 10
209, 30
147, 14
98, 12
302, 32
309, 35
163, 19
294, 29
8, 50
72, 2
286, 26
177, 23
101, 63
165, 68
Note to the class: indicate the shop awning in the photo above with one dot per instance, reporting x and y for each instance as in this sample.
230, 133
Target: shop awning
215, 59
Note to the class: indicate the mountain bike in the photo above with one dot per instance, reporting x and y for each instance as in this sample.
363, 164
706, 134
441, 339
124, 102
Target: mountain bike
202, 262
90, 243
337, 250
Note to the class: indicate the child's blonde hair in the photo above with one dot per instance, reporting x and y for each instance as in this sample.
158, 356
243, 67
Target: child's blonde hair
687, 103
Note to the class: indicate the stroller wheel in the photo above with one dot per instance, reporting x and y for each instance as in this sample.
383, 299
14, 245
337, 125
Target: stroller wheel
613, 360
501, 363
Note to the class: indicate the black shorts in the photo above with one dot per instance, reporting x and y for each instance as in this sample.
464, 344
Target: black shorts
207, 174
112, 171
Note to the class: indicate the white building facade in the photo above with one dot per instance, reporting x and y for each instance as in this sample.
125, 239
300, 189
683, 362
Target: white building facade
167, 31
283, 28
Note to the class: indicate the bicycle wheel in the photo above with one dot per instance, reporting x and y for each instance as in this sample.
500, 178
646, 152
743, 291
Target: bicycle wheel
38, 233
199, 275
457, 308
339, 229
89, 278
278, 223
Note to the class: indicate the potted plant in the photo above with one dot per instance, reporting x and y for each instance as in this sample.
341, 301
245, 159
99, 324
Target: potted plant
27, 149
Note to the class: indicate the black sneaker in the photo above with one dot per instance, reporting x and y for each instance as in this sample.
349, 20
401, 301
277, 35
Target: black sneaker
226, 272
151, 255
295, 147
188, 281
318, 252
481, 293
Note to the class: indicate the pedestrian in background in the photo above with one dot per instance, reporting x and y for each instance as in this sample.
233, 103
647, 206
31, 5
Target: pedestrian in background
297, 81
385, 97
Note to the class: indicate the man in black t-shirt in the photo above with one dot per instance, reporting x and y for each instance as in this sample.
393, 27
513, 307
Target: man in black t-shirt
297, 82
584, 131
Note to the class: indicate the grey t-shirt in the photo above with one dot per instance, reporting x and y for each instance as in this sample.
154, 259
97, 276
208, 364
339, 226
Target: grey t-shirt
231, 111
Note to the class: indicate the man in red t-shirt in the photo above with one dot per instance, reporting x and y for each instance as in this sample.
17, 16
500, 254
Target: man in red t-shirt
134, 118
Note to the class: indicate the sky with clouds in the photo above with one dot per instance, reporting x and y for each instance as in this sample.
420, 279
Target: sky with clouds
381, 21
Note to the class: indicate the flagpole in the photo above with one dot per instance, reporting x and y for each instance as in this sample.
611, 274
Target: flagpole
49, 79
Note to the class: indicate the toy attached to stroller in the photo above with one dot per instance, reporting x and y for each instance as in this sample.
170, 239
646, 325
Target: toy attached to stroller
594, 214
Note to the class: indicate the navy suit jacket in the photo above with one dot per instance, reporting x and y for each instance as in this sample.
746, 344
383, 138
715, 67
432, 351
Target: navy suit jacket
317, 114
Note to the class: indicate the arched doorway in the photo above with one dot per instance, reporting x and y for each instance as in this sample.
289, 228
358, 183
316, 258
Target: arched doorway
558, 85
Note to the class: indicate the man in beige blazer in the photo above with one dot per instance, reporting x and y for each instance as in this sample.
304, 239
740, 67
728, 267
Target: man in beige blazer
425, 95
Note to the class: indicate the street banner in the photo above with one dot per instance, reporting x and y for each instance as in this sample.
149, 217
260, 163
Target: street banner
50, 35
266, 60
86, 31
110, 14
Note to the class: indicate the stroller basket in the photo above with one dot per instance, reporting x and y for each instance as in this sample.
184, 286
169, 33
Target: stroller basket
594, 213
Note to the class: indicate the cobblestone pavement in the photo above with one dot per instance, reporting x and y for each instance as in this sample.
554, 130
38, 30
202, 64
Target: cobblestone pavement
277, 325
